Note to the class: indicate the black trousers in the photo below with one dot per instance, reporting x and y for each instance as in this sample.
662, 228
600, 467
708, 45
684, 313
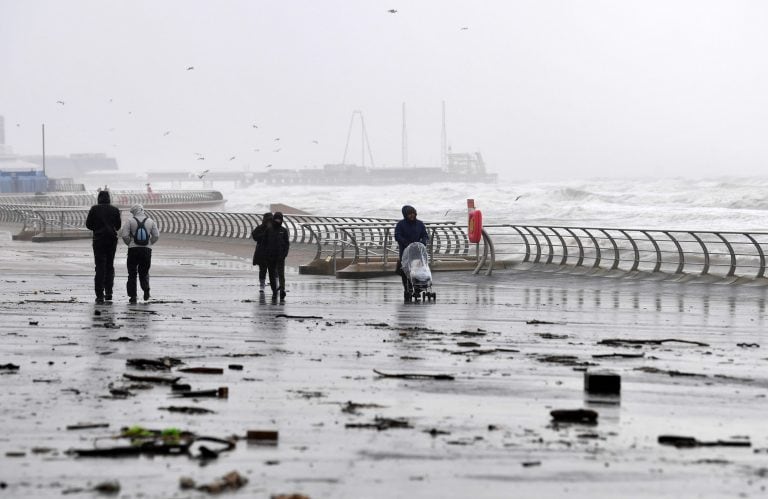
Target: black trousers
104, 258
399, 270
139, 261
262, 271
276, 269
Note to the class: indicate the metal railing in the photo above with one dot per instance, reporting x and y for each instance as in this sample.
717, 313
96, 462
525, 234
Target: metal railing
121, 198
367, 242
672, 251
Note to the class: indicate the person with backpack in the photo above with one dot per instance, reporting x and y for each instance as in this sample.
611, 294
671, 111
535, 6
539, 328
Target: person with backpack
277, 245
140, 234
104, 220
259, 235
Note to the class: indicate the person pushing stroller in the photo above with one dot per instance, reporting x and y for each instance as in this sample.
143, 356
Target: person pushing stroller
408, 230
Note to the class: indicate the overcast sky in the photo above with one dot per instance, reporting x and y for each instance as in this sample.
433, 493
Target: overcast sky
543, 88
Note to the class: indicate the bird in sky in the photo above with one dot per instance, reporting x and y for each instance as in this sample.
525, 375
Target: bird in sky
18, 124
167, 133
201, 158
233, 157
315, 142
277, 139
392, 11
60, 102
464, 28
518, 197
278, 149
257, 150
190, 68
255, 126
202, 174
268, 166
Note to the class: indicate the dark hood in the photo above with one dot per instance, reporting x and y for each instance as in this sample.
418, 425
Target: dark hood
103, 197
278, 217
407, 209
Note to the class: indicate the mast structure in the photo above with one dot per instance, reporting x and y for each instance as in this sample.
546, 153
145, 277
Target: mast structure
444, 143
366, 144
404, 142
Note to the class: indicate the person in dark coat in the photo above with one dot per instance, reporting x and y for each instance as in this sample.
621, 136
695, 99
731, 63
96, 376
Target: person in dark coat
276, 251
259, 235
408, 230
104, 220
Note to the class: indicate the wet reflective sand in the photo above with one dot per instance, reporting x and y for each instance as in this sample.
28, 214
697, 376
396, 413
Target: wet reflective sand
487, 433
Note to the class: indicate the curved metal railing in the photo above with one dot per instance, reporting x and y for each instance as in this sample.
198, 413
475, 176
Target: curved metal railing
120, 198
672, 251
375, 240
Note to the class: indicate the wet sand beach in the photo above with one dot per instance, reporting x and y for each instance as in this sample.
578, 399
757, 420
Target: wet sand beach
515, 346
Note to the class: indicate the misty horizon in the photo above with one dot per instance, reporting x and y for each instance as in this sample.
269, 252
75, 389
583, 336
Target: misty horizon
553, 89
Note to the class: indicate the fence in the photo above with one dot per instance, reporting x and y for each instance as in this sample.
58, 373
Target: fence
121, 198
364, 239
723, 253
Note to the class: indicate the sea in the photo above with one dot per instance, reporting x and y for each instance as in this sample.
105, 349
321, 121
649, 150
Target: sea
725, 204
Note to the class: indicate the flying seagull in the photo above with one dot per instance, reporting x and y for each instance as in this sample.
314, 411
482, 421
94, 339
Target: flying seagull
278, 149
268, 166
60, 102
231, 158
255, 126
190, 68
167, 133
392, 11
201, 158
464, 28
202, 174
277, 139
315, 142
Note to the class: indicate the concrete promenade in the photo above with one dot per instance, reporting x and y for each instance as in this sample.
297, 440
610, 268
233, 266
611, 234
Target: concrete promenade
485, 434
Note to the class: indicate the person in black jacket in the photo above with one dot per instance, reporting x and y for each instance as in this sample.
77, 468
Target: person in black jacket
104, 220
408, 230
276, 250
259, 235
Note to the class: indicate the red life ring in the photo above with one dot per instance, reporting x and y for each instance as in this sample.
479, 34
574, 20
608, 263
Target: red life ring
475, 226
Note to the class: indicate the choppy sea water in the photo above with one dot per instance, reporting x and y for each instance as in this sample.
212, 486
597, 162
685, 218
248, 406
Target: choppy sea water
704, 204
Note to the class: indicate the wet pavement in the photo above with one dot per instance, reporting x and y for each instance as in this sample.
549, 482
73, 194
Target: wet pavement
485, 433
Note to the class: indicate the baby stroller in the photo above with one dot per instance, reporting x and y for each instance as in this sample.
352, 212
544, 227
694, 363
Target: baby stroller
418, 277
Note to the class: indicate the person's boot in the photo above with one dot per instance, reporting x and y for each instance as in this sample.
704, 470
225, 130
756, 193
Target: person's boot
262, 285
146, 295
282, 294
108, 295
132, 300
99, 300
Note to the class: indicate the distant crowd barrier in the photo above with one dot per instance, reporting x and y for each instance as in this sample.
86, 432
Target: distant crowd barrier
363, 240
119, 198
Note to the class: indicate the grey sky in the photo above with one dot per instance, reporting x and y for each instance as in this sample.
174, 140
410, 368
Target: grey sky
542, 88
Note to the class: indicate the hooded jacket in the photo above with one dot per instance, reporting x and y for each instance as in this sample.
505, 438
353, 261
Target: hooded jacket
259, 235
131, 226
277, 239
407, 232
103, 219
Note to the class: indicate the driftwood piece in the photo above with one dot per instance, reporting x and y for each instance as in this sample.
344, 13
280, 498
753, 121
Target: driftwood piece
442, 377
152, 379
624, 341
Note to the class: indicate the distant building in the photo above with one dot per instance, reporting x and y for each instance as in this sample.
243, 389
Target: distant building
74, 165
